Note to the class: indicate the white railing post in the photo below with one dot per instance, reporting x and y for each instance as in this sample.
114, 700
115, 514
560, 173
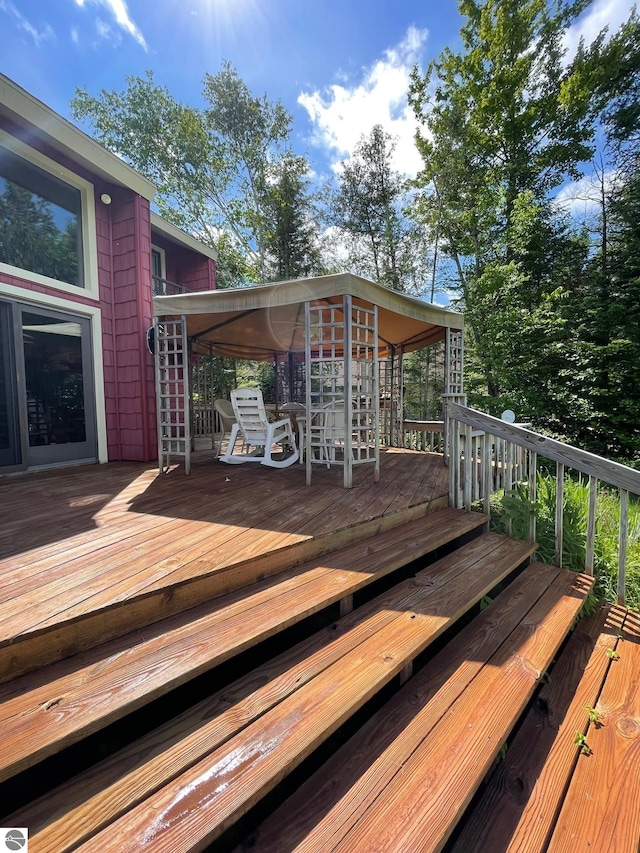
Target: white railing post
503, 460
622, 544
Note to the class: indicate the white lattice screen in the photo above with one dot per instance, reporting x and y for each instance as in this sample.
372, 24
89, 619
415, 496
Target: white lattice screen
342, 386
172, 392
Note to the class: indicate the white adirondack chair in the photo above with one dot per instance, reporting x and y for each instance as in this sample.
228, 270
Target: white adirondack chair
224, 419
258, 434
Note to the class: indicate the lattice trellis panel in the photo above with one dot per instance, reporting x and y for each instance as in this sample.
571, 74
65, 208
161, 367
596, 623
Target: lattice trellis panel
172, 392
454, 362
202, 397
342, 387
391, 405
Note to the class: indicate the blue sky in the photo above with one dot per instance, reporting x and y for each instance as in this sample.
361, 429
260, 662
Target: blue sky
339, 66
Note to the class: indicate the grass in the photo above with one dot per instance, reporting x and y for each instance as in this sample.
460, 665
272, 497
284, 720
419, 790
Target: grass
514, 506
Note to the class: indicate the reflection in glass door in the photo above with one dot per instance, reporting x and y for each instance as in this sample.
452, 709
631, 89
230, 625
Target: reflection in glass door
58, 387
10, 451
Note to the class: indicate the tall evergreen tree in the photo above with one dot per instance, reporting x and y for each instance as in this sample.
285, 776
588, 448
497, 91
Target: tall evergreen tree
504, 123
292, 237
369, 210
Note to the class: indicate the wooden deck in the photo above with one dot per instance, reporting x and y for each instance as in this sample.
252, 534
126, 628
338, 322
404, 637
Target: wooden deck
119, 587
123, 541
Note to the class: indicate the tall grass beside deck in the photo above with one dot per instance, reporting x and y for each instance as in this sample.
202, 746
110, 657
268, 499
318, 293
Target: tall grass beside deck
514, 506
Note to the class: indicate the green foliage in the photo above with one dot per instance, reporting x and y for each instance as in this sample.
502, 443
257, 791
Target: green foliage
219, 170
594, 715
514, 507
553, 329
581, 740
290, 237
368, 209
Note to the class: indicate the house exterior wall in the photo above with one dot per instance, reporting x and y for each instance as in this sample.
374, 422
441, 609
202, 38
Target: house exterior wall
183, 266
118, 303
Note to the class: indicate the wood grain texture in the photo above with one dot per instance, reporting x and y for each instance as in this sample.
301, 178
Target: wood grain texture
419, 808
45, 711
118, 546
204, 801
518, 809
74, 812
611, 472
601, 810
331, 802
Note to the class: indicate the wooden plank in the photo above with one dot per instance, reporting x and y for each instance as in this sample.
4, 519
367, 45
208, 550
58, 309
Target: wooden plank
79, 632
203, 802
99, 686
69, 584
75, 811
331, 802
519, 807
601, 810
420, 806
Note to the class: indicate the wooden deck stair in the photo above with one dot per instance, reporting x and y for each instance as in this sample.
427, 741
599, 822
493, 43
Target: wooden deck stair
185, 784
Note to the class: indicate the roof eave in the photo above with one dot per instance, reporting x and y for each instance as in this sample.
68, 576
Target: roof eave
177, 235
69, 140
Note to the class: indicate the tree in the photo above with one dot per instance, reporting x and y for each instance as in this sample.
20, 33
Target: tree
608, 315
505, 121
291, 240
213, 167
368, 209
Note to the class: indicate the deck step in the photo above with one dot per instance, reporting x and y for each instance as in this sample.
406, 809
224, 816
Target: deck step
186, 783
44, 711
520, 808
70, 614
402, 782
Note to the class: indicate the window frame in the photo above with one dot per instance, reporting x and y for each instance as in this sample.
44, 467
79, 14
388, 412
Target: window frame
163, 261
89, 260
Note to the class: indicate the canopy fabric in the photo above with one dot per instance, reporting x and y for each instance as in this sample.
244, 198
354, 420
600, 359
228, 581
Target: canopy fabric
258, 323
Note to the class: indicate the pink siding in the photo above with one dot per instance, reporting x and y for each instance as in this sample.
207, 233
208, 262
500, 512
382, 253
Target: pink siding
131, 377
183, 266
123, 232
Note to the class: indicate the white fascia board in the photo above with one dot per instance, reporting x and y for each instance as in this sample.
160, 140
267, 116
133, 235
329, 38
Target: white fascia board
177, 235
69, 140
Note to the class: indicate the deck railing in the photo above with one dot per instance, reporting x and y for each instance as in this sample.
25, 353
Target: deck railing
163, 287
487, 455
423, 435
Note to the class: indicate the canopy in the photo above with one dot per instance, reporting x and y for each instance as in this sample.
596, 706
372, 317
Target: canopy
258, 323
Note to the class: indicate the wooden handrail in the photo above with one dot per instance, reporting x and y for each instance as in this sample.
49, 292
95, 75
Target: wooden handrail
423, 435
588, 463
487, 455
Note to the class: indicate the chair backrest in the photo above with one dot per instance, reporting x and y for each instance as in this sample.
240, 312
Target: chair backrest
224, 410
248, 407
333, 421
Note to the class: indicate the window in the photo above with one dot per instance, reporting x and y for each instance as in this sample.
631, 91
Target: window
158, 270
40, 221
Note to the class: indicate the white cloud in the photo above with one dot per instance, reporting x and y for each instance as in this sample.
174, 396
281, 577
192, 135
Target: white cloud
75, 35
581, 199
106, 32
603, 13
120, 12
343, 113
45, 33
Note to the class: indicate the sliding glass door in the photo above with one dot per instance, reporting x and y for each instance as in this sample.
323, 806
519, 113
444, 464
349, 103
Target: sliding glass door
51, 403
